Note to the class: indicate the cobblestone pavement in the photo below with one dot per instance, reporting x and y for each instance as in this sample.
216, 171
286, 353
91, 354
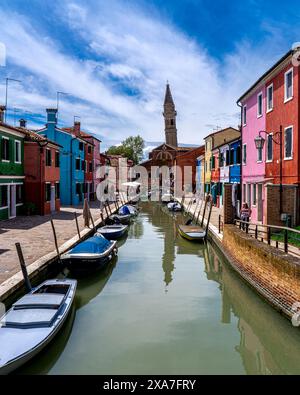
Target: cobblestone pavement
36, 237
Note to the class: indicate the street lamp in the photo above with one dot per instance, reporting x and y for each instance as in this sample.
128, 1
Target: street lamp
277, 139
6, 94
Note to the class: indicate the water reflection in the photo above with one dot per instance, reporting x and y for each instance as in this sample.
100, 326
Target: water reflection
268, 342
209, 321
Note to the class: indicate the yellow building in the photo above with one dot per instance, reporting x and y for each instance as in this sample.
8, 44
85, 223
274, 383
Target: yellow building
211, 141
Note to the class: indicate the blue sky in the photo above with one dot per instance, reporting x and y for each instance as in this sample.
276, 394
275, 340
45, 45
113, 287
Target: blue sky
113, 57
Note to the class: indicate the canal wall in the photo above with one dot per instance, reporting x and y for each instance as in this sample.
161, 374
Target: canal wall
274, 275
45, 266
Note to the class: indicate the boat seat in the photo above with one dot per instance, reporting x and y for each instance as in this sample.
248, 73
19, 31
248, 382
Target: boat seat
36, 301
29, 318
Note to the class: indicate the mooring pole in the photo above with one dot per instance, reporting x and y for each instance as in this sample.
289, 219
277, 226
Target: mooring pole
93, 223
102, 218
105, 207
23, 267
55, 240
77, 225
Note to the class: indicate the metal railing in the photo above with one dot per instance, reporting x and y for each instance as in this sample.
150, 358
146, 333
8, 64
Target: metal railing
281, 237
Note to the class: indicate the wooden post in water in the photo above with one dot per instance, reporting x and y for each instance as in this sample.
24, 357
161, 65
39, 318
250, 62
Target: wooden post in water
205, 205
77, 225
93, 223
23, 267
109, 208
55, 240
106, 211
199, 212
102, 218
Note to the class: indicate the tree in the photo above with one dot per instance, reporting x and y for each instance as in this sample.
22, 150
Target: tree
131, 148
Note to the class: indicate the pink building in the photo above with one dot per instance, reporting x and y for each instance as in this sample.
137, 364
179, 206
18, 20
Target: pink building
253, 161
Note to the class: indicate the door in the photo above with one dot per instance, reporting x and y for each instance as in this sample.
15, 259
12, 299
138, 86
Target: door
52, 199
12, 201
259, 203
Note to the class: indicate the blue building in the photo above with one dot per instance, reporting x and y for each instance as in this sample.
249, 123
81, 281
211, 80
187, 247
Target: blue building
72, 160
235, 162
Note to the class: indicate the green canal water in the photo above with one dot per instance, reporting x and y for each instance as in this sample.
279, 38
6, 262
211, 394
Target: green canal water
169, 306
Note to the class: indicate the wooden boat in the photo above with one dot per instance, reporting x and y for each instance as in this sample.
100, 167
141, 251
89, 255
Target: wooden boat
174, 206
197, 232
90, 255
33, 321
191, 232
119, 219
113, 232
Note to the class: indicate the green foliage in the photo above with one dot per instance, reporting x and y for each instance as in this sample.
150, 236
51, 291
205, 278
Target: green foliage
131, 148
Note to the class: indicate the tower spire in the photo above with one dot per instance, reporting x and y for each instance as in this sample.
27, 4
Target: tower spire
170, 118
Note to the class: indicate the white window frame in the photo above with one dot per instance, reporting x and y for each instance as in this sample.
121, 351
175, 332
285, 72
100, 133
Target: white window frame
259, 115
249, 194
244, 162
267, 148
254, 195
244, 117
287, 99
5, 138
18, 143
285, 129
258, 160
268, 88
48, 150
47, 183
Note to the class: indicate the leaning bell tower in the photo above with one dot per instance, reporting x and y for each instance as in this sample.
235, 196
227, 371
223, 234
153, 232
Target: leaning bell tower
170, 118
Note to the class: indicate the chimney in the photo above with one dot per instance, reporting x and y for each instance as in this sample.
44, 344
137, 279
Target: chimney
76, 128
2, 110
22, 123
51, 116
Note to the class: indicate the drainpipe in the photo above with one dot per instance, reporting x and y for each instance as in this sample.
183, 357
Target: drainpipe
42, 168
71, 170
241, 164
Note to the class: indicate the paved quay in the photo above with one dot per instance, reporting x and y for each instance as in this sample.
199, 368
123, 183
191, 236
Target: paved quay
35, 235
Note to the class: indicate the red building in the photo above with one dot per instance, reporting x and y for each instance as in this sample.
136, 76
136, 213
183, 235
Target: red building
188, 160
42, 173
285, 115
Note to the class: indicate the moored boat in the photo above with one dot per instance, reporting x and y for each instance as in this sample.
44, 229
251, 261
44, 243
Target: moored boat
33, 321
119, 219
174, 206
128, 209
91, 254
192, 233
113, 232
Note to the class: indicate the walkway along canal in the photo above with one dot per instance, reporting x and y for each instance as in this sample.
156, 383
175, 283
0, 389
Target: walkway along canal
169, 306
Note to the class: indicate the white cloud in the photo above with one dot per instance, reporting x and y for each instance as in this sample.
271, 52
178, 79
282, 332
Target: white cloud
119, 89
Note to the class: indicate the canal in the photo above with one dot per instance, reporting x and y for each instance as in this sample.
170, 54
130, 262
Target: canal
169, 306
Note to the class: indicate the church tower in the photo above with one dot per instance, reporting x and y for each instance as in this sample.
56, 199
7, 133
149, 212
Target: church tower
170, 118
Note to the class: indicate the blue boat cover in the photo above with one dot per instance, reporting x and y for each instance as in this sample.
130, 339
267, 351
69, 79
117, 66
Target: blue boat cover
124, 210
95, 244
